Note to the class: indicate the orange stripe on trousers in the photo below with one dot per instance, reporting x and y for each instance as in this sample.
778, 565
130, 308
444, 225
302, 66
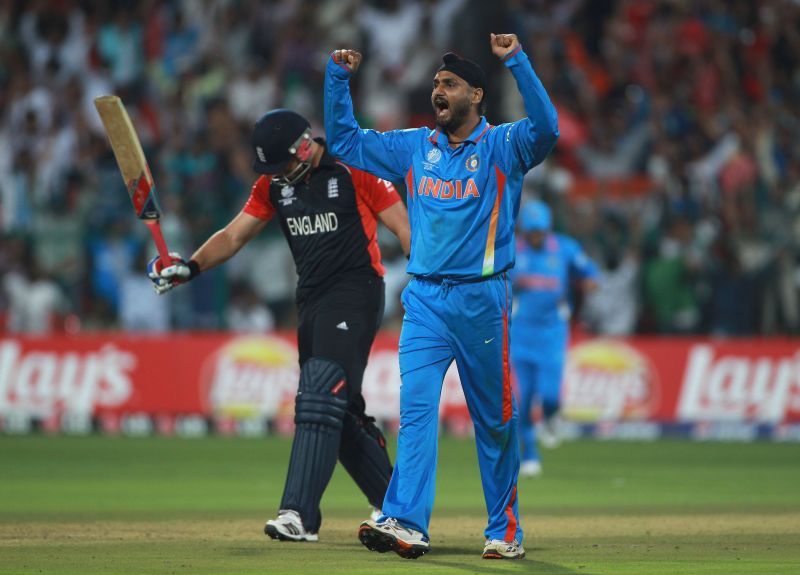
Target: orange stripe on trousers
508, 407
511, 529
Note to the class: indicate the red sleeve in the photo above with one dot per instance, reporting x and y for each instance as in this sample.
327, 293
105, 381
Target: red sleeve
258, 204
376, 193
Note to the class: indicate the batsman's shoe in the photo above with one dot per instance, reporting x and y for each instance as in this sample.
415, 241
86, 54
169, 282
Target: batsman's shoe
498, 549
530, 468
389, 535
288, 527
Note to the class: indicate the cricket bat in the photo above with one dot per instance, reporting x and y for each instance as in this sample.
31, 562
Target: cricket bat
133, 166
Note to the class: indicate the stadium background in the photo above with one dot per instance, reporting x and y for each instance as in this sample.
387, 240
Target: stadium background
677, 168
677, 158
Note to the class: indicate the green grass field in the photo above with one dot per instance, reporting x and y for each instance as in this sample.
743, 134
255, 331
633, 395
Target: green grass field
160, 505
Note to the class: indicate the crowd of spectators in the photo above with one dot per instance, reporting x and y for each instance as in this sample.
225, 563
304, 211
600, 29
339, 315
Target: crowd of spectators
678, 166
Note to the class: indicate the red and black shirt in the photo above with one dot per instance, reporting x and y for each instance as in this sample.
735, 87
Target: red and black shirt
329, 220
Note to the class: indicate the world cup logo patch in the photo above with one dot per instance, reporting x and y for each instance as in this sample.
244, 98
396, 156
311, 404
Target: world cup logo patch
434, 155
473, 162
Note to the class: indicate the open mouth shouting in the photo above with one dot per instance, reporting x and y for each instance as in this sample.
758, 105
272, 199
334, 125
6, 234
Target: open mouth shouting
442, 108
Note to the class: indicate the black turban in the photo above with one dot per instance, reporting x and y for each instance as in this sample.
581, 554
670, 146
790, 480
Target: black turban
467, 70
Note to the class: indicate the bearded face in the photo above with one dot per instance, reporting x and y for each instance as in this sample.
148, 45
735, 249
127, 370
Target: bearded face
452, 100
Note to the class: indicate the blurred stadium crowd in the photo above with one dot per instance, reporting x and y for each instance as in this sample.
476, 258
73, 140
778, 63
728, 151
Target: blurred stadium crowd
678, 166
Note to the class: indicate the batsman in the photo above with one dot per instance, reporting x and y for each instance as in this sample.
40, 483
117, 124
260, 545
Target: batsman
328, 212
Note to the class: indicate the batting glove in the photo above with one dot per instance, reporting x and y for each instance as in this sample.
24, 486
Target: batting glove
178, 271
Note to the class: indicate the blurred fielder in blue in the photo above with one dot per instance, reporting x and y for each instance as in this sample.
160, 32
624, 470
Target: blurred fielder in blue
547, 265
464, 182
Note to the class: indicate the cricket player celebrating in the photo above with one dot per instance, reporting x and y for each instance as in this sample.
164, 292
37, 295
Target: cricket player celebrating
547, 263
328, 213
464, 183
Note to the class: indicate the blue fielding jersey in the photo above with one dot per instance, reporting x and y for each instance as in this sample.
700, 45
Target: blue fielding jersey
462, 201
541, 281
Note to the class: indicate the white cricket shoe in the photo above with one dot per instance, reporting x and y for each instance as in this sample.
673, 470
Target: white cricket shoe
530, 468
499, 549
288, 527
389, 535
549, 434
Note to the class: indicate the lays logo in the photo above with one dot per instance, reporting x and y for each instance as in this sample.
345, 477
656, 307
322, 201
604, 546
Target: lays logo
609, 380
43, 383
251, 376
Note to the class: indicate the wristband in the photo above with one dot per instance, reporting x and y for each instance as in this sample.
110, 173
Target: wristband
194, 269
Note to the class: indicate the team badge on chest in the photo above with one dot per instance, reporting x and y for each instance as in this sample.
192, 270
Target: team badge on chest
333, 188
473, 163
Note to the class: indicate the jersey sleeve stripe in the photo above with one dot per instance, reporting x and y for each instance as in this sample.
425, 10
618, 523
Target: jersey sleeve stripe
345, 166
488, 254
410, 183
511, 54
370, 226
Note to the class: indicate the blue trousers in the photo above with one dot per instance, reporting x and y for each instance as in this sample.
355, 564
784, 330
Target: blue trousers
538, 382
468, 323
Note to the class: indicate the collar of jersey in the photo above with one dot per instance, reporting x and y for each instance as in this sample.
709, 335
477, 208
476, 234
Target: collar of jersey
439, 138
326, 160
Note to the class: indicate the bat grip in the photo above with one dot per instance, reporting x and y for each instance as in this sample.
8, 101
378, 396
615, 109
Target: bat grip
158, 238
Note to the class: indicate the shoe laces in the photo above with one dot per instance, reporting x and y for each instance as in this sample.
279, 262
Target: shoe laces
513, 543
290, 514
392, 522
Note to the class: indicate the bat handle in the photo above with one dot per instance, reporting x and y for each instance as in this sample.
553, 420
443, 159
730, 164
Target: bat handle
158, 238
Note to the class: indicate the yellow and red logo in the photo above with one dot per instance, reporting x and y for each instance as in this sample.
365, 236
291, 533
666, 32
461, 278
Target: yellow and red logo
607, 380
251, 376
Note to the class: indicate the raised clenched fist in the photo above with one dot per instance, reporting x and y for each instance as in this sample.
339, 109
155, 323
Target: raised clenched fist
503, 44
349, 58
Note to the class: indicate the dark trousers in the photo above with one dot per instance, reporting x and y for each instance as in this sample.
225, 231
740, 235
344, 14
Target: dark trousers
338, 324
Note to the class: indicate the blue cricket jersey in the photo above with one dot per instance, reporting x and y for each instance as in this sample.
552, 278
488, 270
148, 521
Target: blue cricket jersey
463, 201
541, 281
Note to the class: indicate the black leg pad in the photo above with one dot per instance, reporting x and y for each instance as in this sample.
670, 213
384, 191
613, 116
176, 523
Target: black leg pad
320, 407
364, 456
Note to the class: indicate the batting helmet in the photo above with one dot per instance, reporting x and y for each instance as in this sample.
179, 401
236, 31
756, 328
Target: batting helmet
278, 137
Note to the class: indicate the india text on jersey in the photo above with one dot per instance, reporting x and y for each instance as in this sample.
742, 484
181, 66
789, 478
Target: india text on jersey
447, 189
